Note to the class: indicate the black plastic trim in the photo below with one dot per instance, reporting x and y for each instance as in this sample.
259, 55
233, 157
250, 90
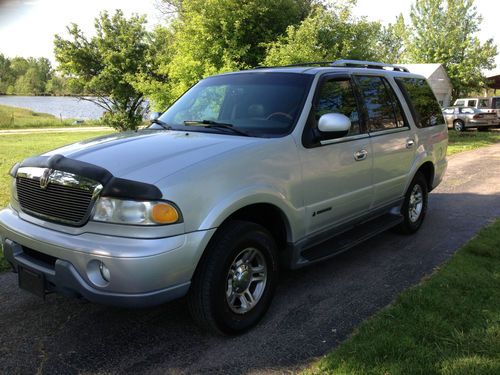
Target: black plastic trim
113, 186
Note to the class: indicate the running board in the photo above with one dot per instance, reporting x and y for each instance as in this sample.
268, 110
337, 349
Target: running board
350, 238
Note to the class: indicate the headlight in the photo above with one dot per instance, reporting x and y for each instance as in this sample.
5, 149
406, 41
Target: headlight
13, 190
121, 211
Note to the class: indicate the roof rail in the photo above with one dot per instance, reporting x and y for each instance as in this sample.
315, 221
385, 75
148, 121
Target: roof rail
320, 63
368, 65
344, 63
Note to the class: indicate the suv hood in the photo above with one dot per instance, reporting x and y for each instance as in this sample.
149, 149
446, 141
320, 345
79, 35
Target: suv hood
150, 155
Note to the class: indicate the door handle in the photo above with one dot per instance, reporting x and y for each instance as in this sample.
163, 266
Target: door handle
360, 155
410, 143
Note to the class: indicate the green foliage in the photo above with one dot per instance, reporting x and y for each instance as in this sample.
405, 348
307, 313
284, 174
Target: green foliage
155, 84
393, 41
116, 119
327, 34
107, 65
470, 140
24, 76
213, 36
445, 32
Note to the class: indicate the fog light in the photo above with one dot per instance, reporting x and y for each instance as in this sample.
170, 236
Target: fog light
106, 275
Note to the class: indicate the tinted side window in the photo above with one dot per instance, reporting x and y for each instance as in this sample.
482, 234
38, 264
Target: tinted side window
483, 103
382, 107
471, 103
425, 108
337, 96
495, 103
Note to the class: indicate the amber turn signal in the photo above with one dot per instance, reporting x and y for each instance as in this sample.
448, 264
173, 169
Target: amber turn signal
164, 213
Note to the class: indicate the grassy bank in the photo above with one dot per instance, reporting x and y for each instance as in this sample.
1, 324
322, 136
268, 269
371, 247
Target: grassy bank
19, 118
450, 324
470, 140
14, 148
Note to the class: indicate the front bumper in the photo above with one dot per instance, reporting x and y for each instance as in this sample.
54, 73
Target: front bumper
162, 272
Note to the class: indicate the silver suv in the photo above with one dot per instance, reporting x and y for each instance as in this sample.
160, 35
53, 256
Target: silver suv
246, 173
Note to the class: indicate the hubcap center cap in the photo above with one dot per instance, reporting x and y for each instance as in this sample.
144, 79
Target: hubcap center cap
242, 278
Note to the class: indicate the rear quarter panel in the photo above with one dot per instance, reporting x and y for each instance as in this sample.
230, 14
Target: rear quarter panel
432, 144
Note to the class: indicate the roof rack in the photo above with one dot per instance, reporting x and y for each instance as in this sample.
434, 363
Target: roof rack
369, 65
344, 63
320, 63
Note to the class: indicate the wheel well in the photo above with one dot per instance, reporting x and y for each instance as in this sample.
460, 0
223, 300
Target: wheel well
267, 215
427, 170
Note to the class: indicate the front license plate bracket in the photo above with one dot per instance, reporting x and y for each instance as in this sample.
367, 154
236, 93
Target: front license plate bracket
31, 281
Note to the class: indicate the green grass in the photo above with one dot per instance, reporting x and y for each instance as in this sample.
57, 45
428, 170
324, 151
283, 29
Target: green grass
449, 324
14, 148
20, 118
470, 140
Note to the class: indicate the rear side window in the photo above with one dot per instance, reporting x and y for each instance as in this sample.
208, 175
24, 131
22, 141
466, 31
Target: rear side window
423, 104
382, 107
495, 103
483, 103
460, 103
471, 103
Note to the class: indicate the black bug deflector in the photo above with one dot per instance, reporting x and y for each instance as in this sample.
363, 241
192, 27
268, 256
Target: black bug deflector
113, 186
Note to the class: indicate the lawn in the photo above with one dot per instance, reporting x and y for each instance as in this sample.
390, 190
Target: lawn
470, 140
449, 324
14, 148
18, 118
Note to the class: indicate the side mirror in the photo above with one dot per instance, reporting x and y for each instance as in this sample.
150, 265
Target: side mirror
334, 123
154, 116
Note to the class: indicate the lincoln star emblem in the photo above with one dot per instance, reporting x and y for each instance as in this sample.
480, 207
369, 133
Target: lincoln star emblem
44, 178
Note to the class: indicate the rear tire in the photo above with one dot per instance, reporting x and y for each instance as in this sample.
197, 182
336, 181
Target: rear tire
414, 206
459, 125
235, 280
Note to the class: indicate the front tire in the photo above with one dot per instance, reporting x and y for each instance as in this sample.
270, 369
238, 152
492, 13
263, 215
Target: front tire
235, 280
414, 206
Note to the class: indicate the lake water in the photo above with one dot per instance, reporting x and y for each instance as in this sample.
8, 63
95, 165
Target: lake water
60, 106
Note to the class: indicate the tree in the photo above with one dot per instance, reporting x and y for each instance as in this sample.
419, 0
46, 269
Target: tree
327, 34
26, 76
107, 64
393, 41
213, 36
6, 76
445, 32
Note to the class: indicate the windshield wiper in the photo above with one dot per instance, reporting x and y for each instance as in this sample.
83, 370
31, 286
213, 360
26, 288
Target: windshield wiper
164, 125
216, 125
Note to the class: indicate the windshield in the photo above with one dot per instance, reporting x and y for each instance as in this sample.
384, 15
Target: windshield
260, 104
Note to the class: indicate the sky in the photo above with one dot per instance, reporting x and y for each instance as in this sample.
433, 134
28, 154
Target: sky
27, 27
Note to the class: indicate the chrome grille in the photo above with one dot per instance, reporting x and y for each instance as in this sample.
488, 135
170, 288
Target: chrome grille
64, 197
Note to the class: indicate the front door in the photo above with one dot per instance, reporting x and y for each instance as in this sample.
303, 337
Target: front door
337, 172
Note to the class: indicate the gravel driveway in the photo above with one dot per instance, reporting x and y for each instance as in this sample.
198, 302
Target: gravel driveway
314, 309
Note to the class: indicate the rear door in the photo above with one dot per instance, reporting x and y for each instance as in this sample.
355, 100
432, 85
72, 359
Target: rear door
393, 143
